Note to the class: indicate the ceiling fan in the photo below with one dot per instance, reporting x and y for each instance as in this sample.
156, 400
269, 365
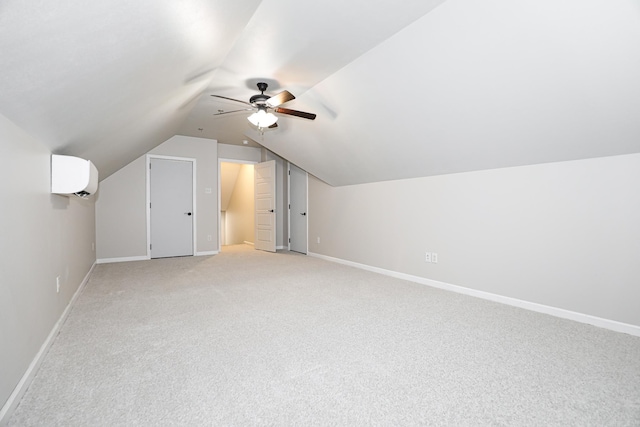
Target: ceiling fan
262, 104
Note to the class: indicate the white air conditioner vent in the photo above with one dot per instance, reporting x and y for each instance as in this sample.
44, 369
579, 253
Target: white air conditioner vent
73, 175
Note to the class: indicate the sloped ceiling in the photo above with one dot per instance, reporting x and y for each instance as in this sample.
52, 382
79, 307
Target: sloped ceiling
109, 80
401, 89
477, 85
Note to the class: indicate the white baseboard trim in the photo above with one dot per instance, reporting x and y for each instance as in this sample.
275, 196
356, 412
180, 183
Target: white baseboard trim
279, 248
25, 381
540, 308
205, 253
248, 243
123, 259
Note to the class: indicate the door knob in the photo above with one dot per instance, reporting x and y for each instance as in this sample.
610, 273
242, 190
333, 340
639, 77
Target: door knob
271, 210
188, 213
303, 213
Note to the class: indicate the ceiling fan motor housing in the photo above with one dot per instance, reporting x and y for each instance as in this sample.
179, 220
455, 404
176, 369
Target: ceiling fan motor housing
258, 99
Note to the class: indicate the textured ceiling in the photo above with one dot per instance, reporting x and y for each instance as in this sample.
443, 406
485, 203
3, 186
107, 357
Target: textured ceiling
401, 89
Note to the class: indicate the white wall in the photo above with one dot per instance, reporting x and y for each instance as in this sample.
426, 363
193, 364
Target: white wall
564, 235
43, 236
121, 206
121, 216
239, 152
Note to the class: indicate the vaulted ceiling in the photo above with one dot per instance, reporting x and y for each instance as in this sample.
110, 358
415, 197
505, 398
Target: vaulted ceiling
401, 89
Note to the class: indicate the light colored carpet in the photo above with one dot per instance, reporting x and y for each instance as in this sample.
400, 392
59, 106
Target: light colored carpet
252, 338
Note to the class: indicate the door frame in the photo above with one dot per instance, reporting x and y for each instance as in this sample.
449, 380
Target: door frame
193, 197
289, 206
220, 161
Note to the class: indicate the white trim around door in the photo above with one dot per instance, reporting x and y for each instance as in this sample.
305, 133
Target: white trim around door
195, 215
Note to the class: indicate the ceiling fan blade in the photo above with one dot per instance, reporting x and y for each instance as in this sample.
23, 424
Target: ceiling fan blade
231, 99
275, 125
296, 113
233, 111
281, 98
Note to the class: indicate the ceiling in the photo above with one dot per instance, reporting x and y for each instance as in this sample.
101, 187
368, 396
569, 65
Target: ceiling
401, 89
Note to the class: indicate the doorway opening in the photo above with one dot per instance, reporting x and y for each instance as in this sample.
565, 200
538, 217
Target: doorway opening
237, 204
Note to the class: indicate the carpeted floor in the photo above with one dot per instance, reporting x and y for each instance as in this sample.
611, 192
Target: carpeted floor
253, 338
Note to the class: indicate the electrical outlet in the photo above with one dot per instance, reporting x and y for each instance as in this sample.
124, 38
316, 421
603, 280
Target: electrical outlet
58, 284
434, 257
209, 237
427, 257
318, 240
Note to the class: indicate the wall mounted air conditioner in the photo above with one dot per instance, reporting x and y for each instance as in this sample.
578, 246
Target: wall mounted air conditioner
73, 175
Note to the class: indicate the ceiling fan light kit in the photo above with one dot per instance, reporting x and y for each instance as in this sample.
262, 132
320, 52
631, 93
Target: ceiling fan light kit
263, 118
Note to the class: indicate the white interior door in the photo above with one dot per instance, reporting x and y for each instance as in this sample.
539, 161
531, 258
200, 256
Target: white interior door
171, 207
297, 209
265, 205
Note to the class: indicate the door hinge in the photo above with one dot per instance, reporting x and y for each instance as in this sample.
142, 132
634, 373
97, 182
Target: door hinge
289, 205
149, 165
149, 205
150, 247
